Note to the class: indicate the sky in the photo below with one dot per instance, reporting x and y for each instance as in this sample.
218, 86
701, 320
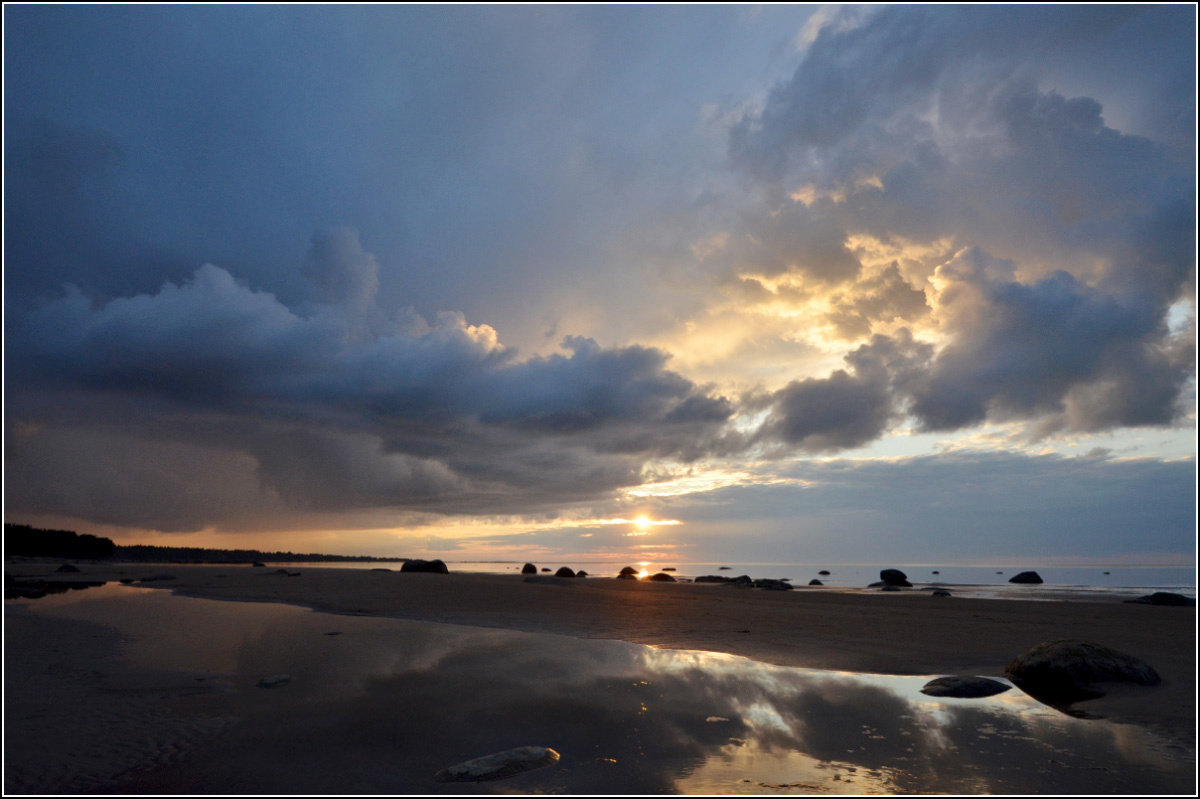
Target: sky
837, 284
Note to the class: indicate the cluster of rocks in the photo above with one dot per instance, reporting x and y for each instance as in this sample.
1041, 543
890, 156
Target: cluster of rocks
1057, 673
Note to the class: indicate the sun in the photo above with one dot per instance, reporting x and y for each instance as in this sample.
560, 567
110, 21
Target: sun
642, 523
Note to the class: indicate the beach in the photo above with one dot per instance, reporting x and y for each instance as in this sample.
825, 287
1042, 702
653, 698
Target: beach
897, 633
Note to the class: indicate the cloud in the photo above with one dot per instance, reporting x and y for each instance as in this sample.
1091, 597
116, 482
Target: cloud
343, 407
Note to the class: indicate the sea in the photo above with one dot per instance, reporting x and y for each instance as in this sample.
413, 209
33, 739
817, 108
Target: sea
984, 581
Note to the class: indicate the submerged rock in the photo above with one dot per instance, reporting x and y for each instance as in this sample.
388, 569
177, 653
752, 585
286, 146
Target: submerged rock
430, 566
964, 687
1032, 578
529, 568
275, 681
499, 765
1163, 598
1063, 672
894, 577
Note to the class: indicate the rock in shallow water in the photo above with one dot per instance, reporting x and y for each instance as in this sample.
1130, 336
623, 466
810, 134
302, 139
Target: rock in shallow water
1063, 672
1163, 598
1032, 578
964, 687
499, 765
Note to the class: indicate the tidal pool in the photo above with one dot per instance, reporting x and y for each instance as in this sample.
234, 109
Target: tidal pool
120, 689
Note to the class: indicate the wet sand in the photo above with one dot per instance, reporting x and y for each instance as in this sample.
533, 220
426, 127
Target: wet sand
907, 632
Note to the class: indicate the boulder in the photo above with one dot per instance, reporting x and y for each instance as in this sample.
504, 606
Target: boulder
712, 578
628, 571
1163, 598
894, 577
940, 592
430, 566
565, 571
661, 577
529, 568
935, 571
1062, 672
499, 765
668, 568
773, 585
815, 581
964, 687
581, 573
824, 572
890, 588
1032, 578
545, 569
724, 568
742, 581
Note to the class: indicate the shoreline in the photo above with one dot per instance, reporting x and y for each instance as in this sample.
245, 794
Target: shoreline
904, 633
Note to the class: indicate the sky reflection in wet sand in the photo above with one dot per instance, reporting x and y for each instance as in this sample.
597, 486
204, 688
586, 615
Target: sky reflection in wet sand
383, 704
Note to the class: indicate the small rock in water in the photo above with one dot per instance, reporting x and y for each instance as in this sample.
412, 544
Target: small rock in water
824, 572
1032, 578
274, 681
964, 687
724, 568
668, 568
499, 765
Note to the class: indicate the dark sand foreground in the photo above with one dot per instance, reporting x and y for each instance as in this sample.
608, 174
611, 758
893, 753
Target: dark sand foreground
906, 632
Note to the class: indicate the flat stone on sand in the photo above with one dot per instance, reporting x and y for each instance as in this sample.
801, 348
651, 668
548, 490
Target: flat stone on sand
964, 687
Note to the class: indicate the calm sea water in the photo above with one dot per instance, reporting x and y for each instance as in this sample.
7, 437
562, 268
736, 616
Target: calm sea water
1060, 582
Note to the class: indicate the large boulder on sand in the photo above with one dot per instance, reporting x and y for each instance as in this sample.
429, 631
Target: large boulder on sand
431, 566
564, 571
628, 573
1163, 598
1063, 672
661, 577
894, 577
529, 568
1032, 578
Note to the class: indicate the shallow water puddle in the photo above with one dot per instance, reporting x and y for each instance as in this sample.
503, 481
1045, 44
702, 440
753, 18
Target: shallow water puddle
381, 705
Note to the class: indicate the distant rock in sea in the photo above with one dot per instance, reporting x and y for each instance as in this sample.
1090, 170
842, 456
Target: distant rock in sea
824, 572
499, 765
894, 577
724, 568
529, 568
429, 566
1032, 578
1163, 598
1060, 673
935, 571
964, 687
668, 568
545, 569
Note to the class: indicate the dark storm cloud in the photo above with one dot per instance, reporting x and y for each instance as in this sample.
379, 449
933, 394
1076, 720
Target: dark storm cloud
343, 406
847, 409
